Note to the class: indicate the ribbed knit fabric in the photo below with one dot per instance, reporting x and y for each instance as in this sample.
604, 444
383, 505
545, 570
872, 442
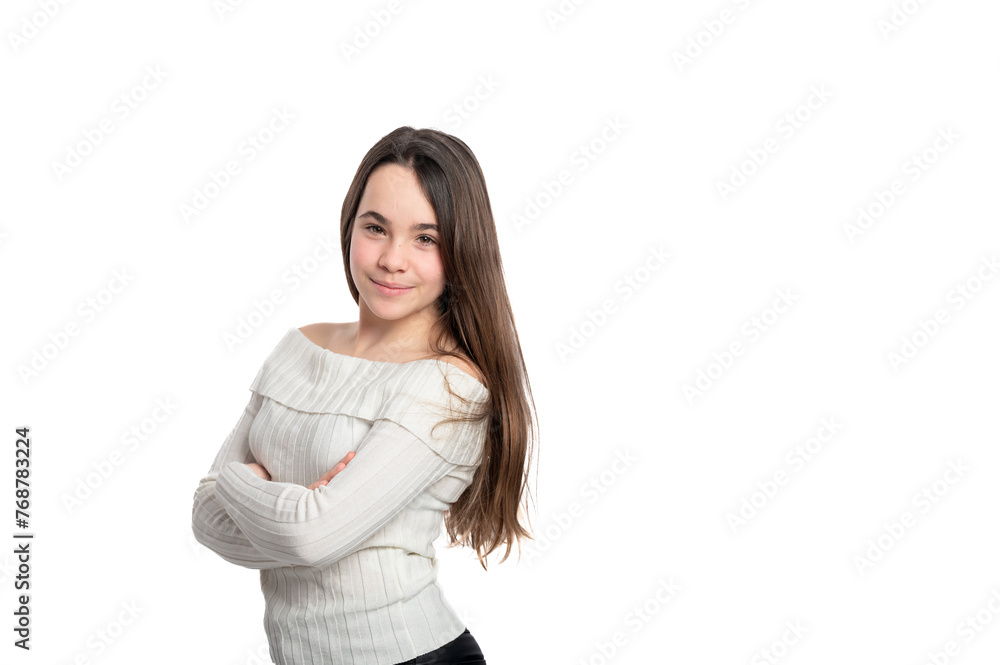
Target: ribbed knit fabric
348, 570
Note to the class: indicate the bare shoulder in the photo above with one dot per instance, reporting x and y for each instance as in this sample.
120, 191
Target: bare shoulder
322, 334
333, 336
466, 366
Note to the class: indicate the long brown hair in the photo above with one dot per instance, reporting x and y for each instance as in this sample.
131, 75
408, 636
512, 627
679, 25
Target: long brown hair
475, 312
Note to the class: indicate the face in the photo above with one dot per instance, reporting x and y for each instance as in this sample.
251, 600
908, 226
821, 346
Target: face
394, 243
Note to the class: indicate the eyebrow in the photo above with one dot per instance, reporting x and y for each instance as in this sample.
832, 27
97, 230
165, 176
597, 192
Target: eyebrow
382, 220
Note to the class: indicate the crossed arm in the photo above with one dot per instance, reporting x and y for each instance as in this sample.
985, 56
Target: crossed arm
254, 522
212, 525
324, 479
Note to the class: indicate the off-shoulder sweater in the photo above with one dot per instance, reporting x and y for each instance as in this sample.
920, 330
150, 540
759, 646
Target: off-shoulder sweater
348, 570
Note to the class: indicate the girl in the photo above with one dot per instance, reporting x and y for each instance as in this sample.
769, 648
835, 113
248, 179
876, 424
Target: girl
359, 438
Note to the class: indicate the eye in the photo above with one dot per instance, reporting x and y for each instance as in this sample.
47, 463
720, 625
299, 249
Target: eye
373, 226
432, 241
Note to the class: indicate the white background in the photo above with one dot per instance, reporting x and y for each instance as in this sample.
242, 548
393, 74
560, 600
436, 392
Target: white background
608, 533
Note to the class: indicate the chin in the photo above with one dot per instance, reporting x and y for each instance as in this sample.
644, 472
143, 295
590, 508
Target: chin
388, 310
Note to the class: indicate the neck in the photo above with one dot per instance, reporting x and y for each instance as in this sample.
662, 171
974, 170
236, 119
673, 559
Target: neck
398, 340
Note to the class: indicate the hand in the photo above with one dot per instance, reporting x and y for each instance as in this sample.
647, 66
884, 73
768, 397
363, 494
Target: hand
260, 471
341, 465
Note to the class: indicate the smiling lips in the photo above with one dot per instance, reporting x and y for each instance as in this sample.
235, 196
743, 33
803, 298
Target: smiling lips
391, 289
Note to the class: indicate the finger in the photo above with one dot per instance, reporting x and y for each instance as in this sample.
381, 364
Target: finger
326, 477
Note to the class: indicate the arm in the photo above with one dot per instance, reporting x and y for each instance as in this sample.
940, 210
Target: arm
316, 527
212, 526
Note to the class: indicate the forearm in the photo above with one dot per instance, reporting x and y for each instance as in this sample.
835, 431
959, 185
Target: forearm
212, 525
299, 526
216, 530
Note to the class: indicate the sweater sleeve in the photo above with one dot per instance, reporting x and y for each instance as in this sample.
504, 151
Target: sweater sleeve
212, 525
317, 527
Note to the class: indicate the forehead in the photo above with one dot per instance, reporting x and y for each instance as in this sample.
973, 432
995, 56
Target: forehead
397, 186
395, 196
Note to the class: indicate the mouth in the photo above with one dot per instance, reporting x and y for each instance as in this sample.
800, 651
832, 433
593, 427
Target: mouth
390, 289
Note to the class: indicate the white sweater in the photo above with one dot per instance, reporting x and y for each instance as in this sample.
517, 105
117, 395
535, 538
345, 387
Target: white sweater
348, 570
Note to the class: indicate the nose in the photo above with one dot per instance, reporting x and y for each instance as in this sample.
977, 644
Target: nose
393, 257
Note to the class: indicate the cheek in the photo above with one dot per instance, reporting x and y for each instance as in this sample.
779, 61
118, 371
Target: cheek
357, 255
433, 271
357, 266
